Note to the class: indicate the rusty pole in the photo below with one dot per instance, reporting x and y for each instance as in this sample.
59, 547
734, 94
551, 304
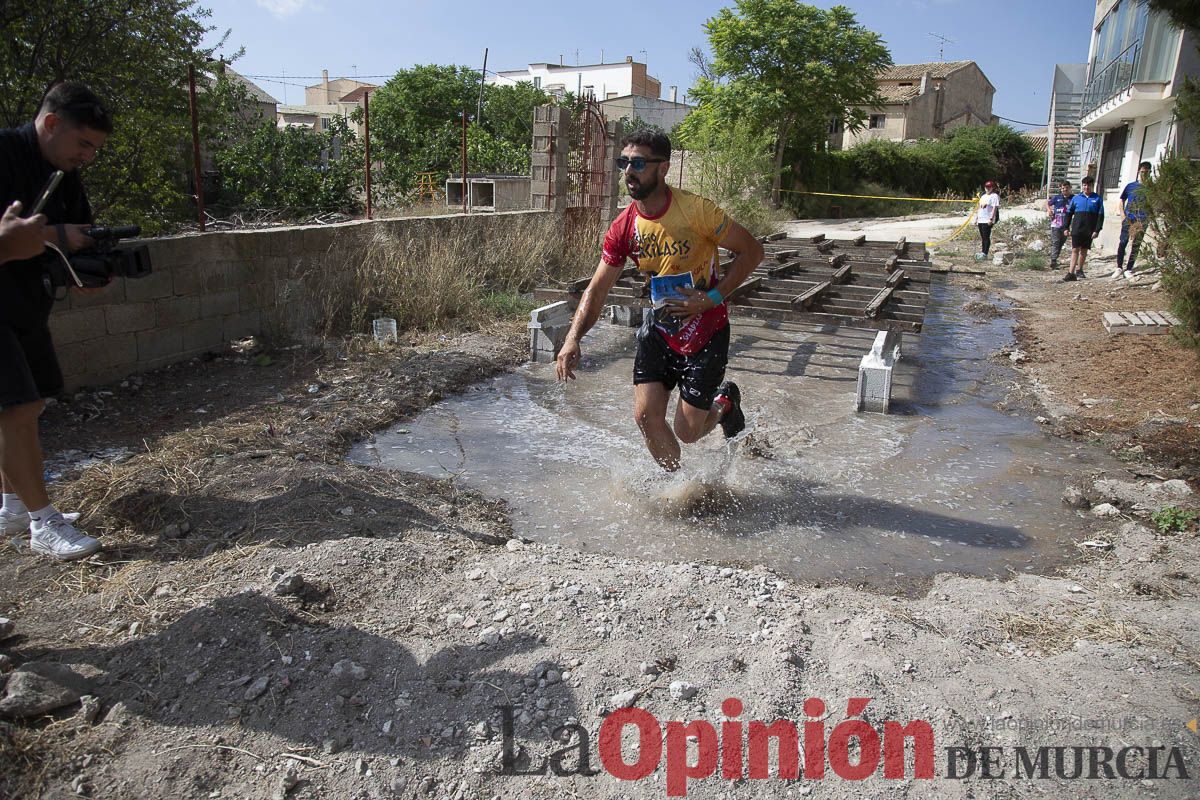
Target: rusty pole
367, 146
195, 145
466, 210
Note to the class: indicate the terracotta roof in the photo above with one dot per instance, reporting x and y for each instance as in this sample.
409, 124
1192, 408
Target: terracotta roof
898, 94
254, 90
914, 72
357, 94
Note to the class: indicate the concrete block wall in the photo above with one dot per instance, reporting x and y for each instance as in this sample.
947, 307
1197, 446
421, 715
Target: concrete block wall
208, 289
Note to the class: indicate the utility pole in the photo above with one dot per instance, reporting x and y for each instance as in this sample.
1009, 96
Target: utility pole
482, 81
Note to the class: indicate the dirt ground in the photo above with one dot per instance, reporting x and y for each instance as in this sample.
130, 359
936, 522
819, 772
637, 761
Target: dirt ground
270, 621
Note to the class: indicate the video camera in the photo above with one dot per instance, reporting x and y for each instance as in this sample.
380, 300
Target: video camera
96, 266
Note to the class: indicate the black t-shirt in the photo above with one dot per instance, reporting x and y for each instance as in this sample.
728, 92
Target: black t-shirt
24, 302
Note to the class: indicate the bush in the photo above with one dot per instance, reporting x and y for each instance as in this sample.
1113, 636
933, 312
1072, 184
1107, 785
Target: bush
1173, 196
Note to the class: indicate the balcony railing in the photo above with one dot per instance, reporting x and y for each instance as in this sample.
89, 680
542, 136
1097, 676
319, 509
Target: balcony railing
1113, 79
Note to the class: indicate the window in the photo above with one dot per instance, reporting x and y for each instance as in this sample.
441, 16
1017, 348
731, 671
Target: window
537, 81
905, 83
878, 120
835, 125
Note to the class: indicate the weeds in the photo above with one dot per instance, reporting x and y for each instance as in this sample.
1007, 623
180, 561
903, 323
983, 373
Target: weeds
1172, 519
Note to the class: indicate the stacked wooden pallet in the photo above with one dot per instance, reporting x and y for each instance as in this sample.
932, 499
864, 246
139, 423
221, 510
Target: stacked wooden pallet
853, 282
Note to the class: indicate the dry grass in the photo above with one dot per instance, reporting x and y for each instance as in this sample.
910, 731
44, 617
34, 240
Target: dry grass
1051, 635
446, 274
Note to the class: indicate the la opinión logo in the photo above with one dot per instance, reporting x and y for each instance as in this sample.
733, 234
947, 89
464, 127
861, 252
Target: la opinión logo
852, 750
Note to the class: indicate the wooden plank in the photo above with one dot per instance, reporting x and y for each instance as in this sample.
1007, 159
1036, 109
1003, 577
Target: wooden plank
784, 255
877, 303
785, 269
897, 278
841, 275
890, 264
820, 237
1145, 318
1158, 318
838, 260
1130, 319
826, 245
582, 283
860, 240
746, 288
806, 299
1171, 318
901, 245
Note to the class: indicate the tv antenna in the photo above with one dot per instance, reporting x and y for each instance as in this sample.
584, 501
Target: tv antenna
942, 42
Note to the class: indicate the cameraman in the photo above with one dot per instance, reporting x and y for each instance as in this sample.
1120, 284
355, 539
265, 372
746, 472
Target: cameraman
69, 129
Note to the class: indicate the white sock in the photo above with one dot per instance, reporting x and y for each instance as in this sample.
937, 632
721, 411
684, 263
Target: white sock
40, 516
13, 504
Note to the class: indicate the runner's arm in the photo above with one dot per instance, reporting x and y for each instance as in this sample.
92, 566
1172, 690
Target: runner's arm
748, 254
586, 315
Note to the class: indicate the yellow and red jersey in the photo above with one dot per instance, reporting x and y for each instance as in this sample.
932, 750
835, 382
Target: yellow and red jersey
682, 238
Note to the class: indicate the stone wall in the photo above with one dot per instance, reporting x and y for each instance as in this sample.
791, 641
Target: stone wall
208, 289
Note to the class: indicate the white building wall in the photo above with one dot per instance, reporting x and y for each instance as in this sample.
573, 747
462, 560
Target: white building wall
604, 79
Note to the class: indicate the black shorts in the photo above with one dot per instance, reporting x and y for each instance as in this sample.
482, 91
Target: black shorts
28, 367
698, 375
1082, 241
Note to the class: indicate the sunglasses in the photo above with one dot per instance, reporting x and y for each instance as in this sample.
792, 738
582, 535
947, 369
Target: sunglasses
637, 162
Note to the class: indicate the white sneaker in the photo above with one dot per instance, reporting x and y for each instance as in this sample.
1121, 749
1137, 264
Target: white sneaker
1129, 275
58, 538
1116, 274
13, 524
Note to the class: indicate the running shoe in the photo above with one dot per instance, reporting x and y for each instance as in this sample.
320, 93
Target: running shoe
733, 421
58, 538
1070, 276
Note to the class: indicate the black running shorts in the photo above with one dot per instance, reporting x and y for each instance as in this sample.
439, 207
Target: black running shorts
1081, 240
698, 375
28, 367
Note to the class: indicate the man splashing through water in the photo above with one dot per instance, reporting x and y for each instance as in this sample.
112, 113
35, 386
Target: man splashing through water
673, 235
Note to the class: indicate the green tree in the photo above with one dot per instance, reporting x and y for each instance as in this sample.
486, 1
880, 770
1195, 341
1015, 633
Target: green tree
416, 123
134, 54
788, 68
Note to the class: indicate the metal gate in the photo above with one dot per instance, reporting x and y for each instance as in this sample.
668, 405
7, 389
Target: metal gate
587, 158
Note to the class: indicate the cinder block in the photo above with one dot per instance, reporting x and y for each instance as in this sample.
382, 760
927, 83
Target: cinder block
113, 293
206, 335
188, 280
156, 285
874, 391
626, 316
80, 325
130, 317
153, 346
256, 297
174, 311
220, 304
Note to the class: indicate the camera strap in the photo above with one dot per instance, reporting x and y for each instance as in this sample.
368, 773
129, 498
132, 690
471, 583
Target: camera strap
61, 232
66, 262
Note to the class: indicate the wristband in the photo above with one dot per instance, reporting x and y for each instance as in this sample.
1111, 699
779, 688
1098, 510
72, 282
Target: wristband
715, 296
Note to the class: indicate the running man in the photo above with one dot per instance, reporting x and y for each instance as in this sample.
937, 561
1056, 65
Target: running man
671, 232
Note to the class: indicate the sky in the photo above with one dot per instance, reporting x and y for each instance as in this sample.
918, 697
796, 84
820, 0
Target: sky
288, 42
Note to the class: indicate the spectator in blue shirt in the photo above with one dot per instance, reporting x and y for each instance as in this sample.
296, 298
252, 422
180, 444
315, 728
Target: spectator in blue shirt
1085, 217
1133, 222
1056, 208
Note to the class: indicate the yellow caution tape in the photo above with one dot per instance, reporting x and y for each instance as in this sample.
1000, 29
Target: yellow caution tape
960, 228
881, 197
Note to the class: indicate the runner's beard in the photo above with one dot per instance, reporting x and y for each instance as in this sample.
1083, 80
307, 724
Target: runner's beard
639, 189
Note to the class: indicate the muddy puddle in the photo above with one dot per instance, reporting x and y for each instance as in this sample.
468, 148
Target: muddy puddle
946, 483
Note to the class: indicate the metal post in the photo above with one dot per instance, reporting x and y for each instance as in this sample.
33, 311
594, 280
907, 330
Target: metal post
367, 146
195, 145
466, 210
482, 81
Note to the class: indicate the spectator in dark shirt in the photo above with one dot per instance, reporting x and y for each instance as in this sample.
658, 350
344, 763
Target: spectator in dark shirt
1133, 222
70, 127
1085, 217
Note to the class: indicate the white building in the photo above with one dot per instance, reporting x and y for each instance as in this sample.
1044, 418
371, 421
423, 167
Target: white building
1136, 67
601, 81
